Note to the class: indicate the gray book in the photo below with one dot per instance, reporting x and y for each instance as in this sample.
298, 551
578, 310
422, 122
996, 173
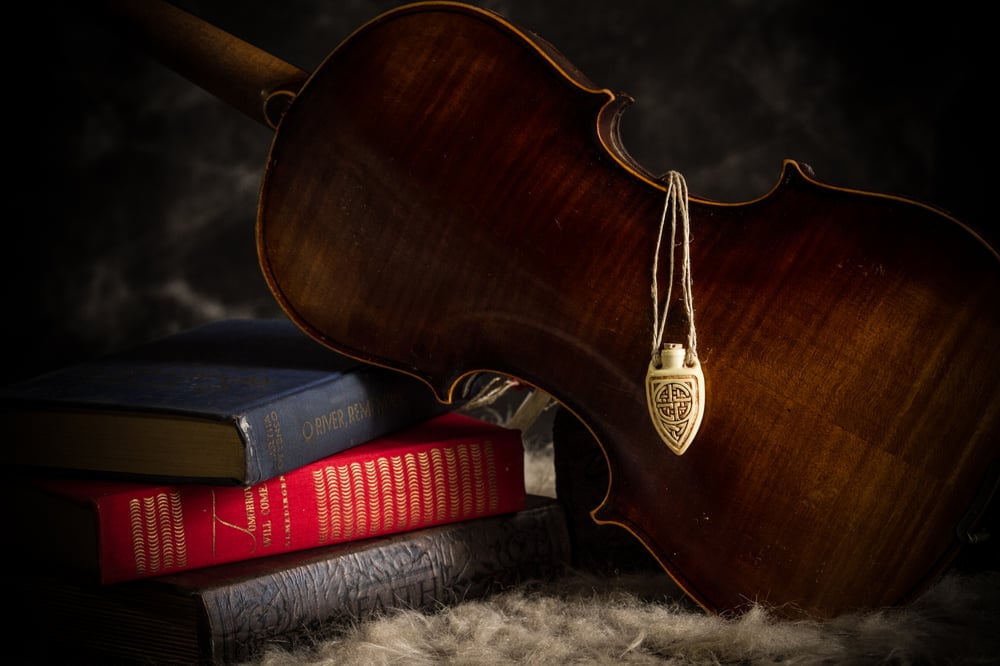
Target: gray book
231, 612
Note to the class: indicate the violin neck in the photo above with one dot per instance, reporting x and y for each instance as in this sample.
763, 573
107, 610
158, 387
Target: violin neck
237, 72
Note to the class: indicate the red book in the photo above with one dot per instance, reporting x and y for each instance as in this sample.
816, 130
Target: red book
448, 469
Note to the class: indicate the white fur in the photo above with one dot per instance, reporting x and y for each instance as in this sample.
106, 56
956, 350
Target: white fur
582, 621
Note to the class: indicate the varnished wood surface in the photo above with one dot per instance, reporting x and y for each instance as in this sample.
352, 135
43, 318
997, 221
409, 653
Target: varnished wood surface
444, 197
439, 200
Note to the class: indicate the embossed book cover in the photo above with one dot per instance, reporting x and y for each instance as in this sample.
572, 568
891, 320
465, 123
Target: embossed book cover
234, 401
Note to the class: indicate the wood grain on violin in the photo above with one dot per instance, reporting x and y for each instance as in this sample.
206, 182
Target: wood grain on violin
446, 194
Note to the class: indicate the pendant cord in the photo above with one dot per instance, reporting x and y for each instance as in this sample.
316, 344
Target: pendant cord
676, 204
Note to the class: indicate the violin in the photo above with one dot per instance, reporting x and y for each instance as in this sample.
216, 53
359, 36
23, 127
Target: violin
446, 194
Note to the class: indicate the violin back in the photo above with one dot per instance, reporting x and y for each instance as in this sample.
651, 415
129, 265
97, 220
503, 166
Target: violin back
447, 195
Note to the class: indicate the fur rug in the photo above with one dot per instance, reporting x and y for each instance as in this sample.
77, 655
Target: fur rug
583, 621
642, 618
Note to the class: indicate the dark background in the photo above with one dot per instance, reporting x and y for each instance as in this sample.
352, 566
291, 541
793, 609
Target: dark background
134, 192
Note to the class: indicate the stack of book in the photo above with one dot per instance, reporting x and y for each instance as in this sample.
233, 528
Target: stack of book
237, 486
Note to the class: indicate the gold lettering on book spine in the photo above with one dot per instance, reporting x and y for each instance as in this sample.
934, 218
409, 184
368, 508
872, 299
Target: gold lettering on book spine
286, 511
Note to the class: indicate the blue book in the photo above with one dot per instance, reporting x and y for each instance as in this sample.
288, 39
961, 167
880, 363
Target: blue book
230, 402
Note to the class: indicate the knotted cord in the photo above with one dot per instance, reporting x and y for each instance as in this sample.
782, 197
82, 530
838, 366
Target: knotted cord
676, 204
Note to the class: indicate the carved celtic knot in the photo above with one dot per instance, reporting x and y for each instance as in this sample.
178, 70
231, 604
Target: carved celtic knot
675, 396
674, 401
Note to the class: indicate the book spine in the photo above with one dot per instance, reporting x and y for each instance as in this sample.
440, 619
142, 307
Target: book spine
421, 570
366, 492
329, 417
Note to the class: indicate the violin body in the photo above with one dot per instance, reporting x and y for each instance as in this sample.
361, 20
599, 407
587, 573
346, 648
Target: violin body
447, 195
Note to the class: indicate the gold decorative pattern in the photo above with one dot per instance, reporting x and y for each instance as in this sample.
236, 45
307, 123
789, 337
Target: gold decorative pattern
455, 501
465, 473
177, 521
320, 479
376, 510
392, 493
344, 502
135, 521
163, 519
413, 485
157, 527
399, 491
441, 497
362, 524
491, 474
391, 510
426, 487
